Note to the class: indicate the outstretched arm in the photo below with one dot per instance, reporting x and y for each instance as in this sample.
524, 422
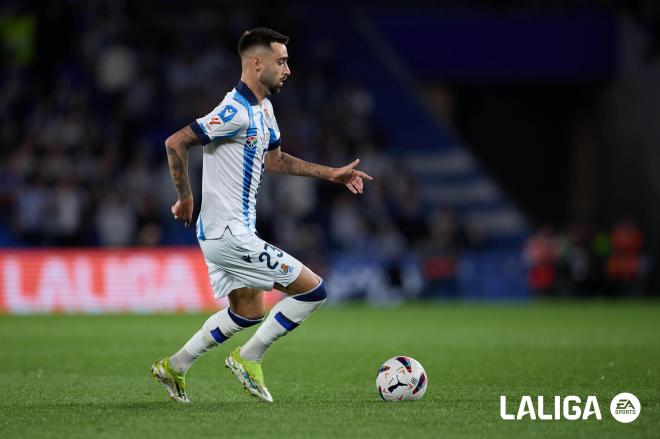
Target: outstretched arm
284, 163
177, 146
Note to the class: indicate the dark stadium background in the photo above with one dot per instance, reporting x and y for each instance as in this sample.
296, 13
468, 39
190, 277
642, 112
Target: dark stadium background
514, 146
509, 241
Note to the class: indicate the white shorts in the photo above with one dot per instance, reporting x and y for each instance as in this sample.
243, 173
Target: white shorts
247, 261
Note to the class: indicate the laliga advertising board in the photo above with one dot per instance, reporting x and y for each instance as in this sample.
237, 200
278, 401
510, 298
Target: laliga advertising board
93, 281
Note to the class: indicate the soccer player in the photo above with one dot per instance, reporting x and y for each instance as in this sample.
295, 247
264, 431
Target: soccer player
241, 139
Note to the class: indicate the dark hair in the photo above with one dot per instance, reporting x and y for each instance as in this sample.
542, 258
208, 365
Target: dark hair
260, 36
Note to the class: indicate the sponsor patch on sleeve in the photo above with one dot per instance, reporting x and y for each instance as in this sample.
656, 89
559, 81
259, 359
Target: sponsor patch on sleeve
227, 113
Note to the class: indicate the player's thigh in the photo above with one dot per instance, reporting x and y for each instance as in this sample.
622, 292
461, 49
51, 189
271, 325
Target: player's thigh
236, 265
306, 281
247, 302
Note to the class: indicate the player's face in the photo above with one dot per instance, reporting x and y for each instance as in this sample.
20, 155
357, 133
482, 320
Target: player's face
275, 68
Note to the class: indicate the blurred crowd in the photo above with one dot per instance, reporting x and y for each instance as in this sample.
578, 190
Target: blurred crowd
90, 90
83, 127
583, 261
82, 140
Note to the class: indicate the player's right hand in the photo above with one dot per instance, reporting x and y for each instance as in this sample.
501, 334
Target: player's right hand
183, 210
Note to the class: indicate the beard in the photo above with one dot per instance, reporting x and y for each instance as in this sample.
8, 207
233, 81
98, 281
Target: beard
274, 90
273, 86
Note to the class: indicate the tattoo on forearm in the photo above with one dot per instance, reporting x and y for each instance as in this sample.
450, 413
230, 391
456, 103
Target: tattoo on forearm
287, 164
179, 171
177, 146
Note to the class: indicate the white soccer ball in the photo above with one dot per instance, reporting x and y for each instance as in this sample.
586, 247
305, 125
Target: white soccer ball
401, 379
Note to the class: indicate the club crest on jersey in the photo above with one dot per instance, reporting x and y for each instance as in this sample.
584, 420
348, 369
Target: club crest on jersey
251, 142
286, 269
227, 113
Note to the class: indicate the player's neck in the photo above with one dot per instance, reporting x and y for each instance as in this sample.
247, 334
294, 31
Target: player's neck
256, 87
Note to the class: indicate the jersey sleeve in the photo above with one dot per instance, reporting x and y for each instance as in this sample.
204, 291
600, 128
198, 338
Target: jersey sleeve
274, 130
226, 120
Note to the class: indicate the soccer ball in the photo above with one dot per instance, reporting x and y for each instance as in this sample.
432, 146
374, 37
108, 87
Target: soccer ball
401, 379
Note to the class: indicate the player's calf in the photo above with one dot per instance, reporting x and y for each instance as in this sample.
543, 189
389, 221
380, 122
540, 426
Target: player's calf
216, 330
286, 316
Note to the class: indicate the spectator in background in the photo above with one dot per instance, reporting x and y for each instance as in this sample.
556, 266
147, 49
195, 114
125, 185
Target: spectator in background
347, 227
541, 254
441, 251
625, 264
66, 210
581, 262
31, 210
116, 220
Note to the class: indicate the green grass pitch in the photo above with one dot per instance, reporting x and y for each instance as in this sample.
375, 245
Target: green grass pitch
87, 376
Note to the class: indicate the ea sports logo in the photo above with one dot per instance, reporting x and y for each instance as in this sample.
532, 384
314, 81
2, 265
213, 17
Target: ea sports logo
625, 407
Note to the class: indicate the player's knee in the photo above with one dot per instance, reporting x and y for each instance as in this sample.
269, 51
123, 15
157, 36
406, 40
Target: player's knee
246, 319
316, 277
247, 302
251, 311
304, 283
318, 294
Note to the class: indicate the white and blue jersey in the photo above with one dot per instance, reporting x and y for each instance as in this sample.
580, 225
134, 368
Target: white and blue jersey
236, 136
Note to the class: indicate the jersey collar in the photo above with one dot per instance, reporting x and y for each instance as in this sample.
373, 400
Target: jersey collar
245, 91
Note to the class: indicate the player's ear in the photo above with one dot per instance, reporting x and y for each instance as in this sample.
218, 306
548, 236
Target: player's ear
256, 63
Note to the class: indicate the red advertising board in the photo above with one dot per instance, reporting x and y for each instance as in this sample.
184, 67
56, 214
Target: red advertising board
166, 279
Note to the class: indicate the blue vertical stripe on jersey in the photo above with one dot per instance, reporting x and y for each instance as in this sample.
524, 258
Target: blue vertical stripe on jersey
248, 163
248, 158
261, 173
200, 229
241, 100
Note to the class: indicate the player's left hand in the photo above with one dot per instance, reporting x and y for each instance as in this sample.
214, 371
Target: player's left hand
350, 177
